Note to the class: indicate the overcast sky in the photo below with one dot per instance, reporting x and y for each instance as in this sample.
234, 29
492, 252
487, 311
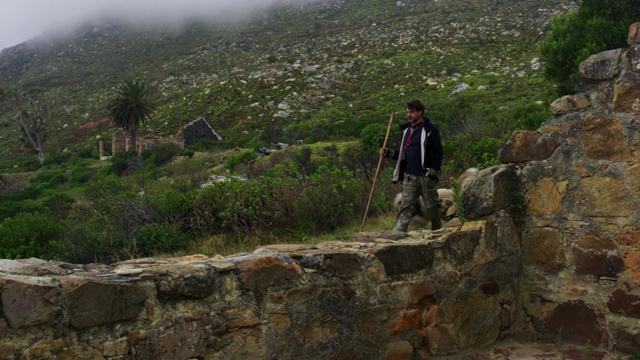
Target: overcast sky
21, 20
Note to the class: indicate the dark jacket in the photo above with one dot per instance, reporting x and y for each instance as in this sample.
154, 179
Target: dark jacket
431, 150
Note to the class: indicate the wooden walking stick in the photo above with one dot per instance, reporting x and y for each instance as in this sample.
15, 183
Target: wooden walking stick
375, 178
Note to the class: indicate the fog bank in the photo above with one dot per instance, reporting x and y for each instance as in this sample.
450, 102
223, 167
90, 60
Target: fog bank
24, 19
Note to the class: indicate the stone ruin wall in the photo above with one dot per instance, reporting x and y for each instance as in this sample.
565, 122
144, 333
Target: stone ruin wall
581, 185
120, 141
568, 268
382, 296
121, 138
189, 135
197, 130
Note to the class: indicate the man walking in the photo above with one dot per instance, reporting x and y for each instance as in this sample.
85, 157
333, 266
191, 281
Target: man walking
418, 167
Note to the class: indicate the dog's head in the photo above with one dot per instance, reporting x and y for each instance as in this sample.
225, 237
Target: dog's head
446, 206
448, 209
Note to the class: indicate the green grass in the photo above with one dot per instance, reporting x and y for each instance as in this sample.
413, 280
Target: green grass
226, 245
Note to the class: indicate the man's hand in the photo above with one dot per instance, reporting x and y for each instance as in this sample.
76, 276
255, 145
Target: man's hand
433, 174
383, 152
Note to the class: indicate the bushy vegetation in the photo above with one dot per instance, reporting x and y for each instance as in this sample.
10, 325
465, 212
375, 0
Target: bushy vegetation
597, 26
32, 235
164, 153
135, 216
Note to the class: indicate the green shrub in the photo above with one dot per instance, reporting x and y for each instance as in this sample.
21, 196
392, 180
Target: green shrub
123, 164
105, 229
596, 26
465, 153
79, 176
170, 204
119, 221
31, 192
165, 152
88, 152
104, 187
92, 239
271, 58
10, 209
246, 207
119, 164
373, 137
328, 199
318, 203
51, 178
32, 235
242, 158
302, 158
45, 194
32, 206
485, 151
57, 158
202, 145
157, 238
59, 204
531, 117
188, 153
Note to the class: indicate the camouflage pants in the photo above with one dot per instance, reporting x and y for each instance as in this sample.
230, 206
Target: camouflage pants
412, 188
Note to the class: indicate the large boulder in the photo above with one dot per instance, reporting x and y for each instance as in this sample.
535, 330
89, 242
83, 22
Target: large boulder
491, 191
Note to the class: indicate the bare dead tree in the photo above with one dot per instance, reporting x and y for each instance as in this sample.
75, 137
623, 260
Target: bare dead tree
31, 116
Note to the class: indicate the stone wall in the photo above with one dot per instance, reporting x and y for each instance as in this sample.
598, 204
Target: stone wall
120, 141
121, 138
580, 177
384, 296
197, 130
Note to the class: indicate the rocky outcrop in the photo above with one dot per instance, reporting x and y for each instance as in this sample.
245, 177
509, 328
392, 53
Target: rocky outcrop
580, 173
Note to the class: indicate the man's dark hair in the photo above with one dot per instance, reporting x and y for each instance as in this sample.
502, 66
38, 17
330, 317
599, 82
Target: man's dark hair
415, 105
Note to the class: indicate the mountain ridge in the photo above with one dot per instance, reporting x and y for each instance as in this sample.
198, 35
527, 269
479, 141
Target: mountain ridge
340, 62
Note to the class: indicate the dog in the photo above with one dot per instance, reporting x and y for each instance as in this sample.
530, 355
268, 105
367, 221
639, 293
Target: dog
447, 208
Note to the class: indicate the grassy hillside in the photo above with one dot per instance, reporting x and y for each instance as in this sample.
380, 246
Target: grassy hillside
329, 73
322, 72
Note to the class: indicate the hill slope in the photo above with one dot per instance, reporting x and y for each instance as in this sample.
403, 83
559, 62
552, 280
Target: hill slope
319, 72
328, 73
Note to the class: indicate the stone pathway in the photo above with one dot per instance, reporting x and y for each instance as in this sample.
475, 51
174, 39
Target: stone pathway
524, 349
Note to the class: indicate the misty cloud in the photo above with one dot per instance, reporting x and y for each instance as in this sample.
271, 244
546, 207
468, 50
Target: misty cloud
21, 20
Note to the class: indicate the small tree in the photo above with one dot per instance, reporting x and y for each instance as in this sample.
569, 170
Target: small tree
598, 25
131, 107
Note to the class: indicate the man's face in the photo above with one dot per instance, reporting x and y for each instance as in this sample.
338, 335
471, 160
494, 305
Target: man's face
413, 116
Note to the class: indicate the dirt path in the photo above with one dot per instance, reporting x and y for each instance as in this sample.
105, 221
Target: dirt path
524, 349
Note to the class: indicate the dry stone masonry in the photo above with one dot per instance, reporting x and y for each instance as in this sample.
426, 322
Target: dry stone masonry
384, 295
190, 134
197, 130
580, 177
551, 246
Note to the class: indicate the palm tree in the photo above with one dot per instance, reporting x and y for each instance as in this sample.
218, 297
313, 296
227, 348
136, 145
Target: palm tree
131, 107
